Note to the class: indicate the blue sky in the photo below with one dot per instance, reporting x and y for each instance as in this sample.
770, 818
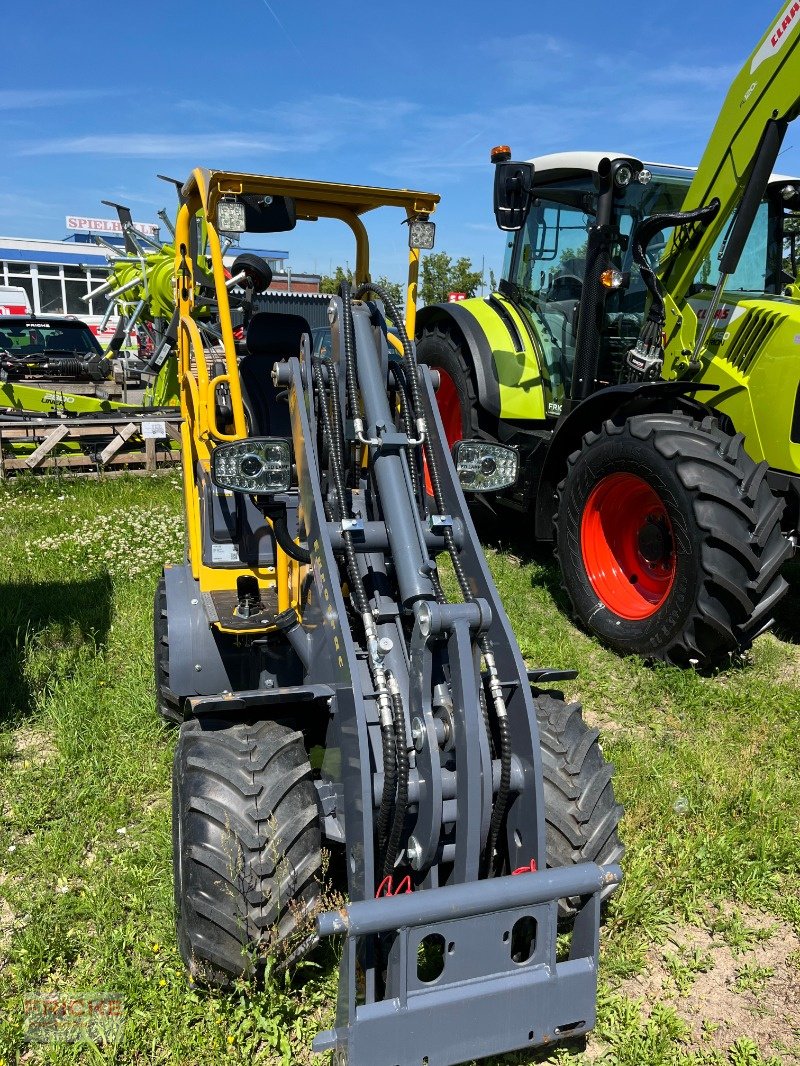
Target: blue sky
96, 99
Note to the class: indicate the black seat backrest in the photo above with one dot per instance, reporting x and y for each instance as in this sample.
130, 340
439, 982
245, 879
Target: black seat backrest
274, 335
270, 337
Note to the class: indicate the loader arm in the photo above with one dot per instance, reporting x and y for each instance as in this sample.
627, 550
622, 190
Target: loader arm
763, 98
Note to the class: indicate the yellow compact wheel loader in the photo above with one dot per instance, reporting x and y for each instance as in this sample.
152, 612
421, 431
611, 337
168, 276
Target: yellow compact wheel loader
330, 694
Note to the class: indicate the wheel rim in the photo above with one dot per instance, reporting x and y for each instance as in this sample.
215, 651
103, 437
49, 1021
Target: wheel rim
627, 546
449, 404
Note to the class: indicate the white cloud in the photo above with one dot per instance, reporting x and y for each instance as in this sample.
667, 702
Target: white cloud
155, 145
24, 99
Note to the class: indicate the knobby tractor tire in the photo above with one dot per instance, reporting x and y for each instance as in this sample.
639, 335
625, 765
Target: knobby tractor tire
669, 540
456, 397
168, 705
246, 843
580, 810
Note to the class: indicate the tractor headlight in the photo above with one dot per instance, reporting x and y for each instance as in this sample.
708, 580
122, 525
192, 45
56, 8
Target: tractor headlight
485, 467
421, 233
623, 175
259, 465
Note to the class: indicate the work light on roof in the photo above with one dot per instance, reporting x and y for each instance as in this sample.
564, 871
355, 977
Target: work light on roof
421, 233
230, 216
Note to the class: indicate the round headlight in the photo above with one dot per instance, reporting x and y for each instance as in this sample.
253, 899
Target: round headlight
251, 465
623, 175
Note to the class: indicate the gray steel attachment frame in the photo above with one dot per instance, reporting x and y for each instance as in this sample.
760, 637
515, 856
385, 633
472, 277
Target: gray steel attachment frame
483, 1002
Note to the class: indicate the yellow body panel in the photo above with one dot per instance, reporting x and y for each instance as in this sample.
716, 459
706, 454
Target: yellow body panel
313, 200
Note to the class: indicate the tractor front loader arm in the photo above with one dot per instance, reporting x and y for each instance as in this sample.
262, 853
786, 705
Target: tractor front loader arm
444, 878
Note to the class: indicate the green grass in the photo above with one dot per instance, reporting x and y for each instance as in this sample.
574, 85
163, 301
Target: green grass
707, 768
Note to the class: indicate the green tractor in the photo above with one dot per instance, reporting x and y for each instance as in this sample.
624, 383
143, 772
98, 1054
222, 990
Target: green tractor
641, 351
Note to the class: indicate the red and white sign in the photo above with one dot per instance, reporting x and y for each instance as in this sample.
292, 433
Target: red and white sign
108, 225
454, 297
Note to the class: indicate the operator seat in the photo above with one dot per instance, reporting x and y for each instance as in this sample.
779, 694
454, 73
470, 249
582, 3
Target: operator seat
271, 336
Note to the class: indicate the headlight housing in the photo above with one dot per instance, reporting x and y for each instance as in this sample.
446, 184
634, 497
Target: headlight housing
261, 466
421, 233
485, 467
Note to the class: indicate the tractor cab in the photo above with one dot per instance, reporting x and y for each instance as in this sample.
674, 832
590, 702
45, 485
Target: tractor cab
546, 276
545, 264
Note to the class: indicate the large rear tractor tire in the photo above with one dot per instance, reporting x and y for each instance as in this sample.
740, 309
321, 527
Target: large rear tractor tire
168, 705
669, 540
246, 843
580, 810
456, 397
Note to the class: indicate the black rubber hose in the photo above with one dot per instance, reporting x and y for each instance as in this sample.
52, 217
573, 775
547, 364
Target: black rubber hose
389, 746
401, 806
501, 801
400, 326
644, 233
283, 537
319, 382
349, 349
401, 379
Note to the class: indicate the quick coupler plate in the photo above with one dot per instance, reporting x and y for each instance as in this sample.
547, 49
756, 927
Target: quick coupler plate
446, 975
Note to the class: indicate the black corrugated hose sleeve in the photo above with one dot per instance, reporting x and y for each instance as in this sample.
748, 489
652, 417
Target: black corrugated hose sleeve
389, 746
349, 348
356, 584
401, 805
501, 800
316, 369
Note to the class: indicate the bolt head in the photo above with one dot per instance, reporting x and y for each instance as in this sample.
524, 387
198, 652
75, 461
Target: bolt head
414, 853
418, 733
198, 667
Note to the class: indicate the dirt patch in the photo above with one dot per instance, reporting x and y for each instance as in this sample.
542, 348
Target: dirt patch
33, 748
724, 989
602, 722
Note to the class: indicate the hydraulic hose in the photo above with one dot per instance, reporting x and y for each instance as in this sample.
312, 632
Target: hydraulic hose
646, 358
495, 689
389, 745
503, 792
277, 516
387, 690
644, 233
401, 379
349, 359
401, 806
319, 382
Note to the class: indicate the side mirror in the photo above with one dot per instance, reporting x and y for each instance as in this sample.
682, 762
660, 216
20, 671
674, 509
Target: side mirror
485, 467
513, 194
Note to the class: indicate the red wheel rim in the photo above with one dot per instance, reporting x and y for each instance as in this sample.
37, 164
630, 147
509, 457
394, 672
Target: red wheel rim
449, 405
627, 546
